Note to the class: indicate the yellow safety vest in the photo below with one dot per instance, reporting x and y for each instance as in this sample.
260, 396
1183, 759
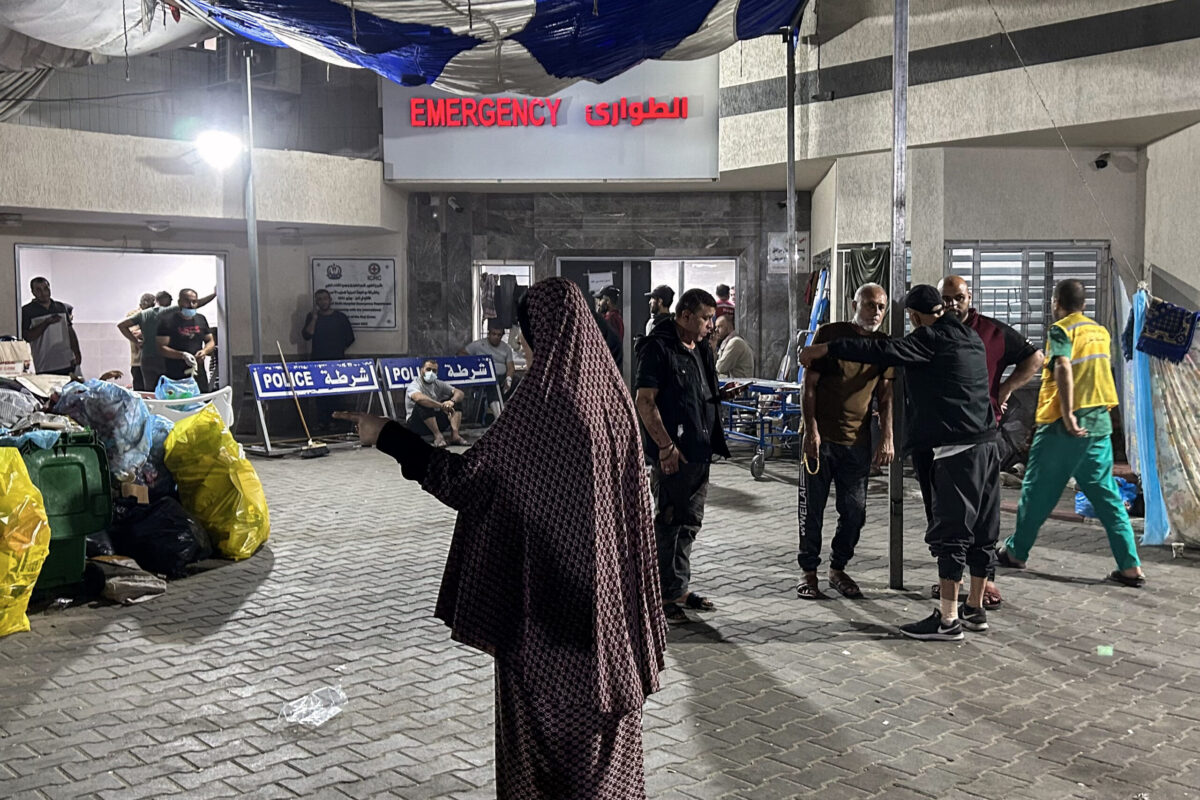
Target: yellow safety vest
1091, 367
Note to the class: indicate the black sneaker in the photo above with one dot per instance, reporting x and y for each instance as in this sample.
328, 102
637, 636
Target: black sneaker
933, 629
973, 619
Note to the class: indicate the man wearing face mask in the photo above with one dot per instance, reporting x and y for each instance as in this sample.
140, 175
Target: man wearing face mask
185, 339
946, 387
431, 406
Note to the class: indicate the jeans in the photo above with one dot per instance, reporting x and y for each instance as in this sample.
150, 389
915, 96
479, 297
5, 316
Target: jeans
847, 468
678, 515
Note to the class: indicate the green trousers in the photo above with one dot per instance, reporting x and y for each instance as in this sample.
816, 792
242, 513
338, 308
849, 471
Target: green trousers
1053, 459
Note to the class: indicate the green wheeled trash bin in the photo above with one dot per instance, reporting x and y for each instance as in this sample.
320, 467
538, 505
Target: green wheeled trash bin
73, 479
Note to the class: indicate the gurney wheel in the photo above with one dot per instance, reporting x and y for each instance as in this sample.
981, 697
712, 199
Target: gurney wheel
756, 465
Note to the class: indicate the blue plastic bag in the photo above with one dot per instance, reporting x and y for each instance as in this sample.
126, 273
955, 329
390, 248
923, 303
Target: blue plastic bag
119, 419
1127, 490
168, 389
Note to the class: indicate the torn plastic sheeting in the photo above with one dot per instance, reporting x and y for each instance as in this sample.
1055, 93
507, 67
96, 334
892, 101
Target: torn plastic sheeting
501, 45
315, 709
101, 27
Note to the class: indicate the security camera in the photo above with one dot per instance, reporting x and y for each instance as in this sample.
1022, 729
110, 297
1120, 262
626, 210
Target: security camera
452, 201
1102, 160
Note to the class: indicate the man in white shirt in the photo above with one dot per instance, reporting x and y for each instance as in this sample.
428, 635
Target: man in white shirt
431, 406
735, 359
48, 326
494, 346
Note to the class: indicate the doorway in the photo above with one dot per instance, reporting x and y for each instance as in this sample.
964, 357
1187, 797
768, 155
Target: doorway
104, 285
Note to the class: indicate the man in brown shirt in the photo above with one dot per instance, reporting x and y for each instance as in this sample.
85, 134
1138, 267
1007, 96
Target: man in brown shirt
837, 444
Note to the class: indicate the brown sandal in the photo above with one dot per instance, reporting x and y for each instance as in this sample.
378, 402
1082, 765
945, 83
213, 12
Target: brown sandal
846, 585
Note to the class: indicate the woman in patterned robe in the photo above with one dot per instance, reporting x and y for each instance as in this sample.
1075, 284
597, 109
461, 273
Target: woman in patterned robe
552, 567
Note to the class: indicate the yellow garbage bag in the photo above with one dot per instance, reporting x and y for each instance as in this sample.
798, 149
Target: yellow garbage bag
217, 484
24, 540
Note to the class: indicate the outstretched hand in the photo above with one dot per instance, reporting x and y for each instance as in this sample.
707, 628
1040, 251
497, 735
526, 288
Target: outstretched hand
367, 426
812, 353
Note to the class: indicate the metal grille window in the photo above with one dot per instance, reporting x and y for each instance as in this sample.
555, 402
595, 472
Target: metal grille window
1014, 283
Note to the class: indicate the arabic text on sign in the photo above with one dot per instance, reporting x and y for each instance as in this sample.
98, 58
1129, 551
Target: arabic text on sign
602, 114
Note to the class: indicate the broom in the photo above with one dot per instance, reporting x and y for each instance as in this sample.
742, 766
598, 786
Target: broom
312, 449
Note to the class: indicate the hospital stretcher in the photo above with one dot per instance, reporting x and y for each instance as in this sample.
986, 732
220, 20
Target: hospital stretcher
767, 415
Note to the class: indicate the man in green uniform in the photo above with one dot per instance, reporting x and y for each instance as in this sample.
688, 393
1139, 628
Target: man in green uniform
1073, 437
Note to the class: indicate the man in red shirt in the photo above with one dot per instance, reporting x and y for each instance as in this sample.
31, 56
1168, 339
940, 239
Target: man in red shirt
724, 303
1005, 347
608, 303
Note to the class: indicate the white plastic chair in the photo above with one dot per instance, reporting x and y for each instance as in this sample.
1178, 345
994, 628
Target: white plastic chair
175, 410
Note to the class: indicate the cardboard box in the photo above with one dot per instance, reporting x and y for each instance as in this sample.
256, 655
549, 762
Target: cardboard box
136, 491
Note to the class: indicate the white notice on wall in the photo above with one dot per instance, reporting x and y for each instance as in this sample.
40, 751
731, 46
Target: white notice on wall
598, 280
364, 289
777, 253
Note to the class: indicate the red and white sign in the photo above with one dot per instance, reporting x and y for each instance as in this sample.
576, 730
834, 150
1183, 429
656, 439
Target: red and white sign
519, 112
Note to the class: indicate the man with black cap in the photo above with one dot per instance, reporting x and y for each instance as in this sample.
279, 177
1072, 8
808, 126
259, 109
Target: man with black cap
946, 388
608, 303
661, 298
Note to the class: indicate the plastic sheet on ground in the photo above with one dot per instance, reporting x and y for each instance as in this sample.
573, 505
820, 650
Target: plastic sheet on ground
24, 540
218, 484
125, 582
316, 708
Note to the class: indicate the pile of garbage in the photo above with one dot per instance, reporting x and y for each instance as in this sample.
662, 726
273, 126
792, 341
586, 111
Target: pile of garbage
181, 491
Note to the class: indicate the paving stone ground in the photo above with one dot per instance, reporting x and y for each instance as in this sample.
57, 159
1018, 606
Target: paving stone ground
770, 697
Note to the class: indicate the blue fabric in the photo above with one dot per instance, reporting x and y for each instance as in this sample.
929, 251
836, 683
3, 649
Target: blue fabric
582, 39
45, 439
1158, 527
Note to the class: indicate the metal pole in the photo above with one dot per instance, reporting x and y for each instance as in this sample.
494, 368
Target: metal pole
898, 282
789, 40
252, 221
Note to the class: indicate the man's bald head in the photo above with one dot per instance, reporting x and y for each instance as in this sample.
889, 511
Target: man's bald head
956, 295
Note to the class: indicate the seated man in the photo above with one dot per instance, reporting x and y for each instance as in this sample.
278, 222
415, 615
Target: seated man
501, 354
431, 406
735, 359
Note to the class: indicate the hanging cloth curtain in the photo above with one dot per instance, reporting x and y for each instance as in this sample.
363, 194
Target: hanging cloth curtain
865, 265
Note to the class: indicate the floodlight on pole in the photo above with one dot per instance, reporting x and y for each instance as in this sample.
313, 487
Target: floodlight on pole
219, 149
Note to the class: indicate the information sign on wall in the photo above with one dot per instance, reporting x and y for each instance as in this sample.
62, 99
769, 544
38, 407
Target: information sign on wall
777, 252
364, 289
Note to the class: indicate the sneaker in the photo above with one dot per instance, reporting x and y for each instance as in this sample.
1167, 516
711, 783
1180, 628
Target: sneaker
933, 629
973, 619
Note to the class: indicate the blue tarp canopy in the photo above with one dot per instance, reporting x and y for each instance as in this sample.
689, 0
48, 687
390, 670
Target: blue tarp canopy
485, 46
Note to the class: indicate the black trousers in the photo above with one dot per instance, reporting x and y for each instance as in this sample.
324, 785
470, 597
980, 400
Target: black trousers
678, 515
964, 501
420, 413
846, 468
139, 380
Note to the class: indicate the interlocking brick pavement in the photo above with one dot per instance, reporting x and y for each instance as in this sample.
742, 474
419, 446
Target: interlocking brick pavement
769, 697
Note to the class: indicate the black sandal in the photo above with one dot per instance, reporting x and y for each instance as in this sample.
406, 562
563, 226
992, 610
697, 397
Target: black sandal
810, 591
698, 602
1136, 582
675, 614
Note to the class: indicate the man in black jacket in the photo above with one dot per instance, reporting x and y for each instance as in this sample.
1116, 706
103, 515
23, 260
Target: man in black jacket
679, 403
950, 413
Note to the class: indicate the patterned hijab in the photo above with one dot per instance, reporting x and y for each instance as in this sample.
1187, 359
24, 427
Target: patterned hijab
553, 558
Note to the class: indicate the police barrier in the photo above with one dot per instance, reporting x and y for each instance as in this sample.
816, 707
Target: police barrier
460, 371
311, 379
